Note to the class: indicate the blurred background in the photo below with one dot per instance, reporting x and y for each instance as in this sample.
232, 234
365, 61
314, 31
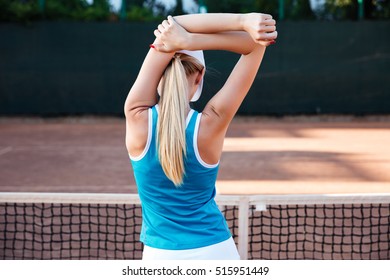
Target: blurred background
80, 57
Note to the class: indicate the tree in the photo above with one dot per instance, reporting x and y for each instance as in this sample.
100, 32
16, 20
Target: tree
267, 7
349, 9
157, 8
100, 10
382, 9
299, 9
179, 8
138, 3
230, 6
294, 9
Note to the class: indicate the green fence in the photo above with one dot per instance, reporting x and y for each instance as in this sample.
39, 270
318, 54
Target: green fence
62, 68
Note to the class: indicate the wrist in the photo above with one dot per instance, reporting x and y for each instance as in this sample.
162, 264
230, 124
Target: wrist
188, 42
244, 21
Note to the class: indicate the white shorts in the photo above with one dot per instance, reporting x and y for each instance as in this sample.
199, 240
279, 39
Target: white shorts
225, 250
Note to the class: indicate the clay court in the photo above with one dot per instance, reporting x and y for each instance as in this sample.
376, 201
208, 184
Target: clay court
286, 156
261, 155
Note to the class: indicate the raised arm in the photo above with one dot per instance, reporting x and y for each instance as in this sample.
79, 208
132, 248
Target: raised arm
199, 31
260, 31
260, 27
142, 94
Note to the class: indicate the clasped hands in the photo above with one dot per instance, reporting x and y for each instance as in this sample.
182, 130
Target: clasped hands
173, 37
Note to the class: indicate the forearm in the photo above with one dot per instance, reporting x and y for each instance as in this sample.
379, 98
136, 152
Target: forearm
211, 23
232, 32
236, 41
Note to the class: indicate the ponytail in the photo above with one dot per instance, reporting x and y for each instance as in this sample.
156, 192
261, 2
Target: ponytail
171, 122
171, 125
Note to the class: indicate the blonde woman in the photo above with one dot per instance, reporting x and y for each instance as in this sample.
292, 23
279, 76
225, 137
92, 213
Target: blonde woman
175, 150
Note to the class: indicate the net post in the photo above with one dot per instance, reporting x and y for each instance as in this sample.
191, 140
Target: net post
243, 227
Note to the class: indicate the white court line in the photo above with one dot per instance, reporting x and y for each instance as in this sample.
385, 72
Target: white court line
5, 150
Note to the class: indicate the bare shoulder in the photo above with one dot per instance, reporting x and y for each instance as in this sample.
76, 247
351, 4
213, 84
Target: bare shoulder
210, 138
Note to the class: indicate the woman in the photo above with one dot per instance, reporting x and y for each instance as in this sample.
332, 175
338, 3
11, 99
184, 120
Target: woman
174, 150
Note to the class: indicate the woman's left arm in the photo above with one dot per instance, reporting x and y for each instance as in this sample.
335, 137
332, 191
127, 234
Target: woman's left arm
142, 96
143, 93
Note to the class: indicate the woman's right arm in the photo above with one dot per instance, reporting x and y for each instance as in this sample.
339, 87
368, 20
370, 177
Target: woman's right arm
261, 27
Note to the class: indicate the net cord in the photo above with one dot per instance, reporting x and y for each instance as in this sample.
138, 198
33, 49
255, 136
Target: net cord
227, 200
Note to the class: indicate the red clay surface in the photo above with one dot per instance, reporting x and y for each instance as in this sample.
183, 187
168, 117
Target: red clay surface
261, 155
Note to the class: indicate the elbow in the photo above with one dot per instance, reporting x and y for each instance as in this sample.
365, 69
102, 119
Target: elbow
127, 107
133, 109
130, 106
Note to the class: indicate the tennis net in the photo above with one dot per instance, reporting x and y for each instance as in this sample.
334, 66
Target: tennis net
107, 226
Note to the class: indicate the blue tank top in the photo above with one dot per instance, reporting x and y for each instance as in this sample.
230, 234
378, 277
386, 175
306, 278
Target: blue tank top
178, 218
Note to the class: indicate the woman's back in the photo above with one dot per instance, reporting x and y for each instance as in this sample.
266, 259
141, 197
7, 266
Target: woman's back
183, 217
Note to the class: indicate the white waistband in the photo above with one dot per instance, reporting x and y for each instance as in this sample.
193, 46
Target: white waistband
225, 250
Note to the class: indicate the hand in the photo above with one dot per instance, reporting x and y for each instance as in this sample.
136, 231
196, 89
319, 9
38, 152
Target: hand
261, 27
172, 35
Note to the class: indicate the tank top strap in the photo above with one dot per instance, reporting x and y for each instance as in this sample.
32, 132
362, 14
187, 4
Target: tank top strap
154, 117
190, 130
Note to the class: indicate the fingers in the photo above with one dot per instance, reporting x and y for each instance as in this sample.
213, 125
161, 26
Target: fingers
161, 28
266, 16
269, 25
261, 36
267, 28
269, 22
165, 24
271, 35
264, 30
157, 33
171, 20
164, 33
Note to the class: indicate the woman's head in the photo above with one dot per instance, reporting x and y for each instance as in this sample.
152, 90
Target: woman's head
180, 82
193, 64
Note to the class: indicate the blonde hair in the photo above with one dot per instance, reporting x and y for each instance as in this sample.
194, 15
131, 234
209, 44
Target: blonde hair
171, 137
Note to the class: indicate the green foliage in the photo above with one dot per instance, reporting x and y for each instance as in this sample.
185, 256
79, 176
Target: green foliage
382, 10
179, 8
158, 9
152, 10
298, 9
294, 9
348, 9
137, 13
77, 10
18, 10
230, 6
28, 10
65, 9
340, 9
267, 7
